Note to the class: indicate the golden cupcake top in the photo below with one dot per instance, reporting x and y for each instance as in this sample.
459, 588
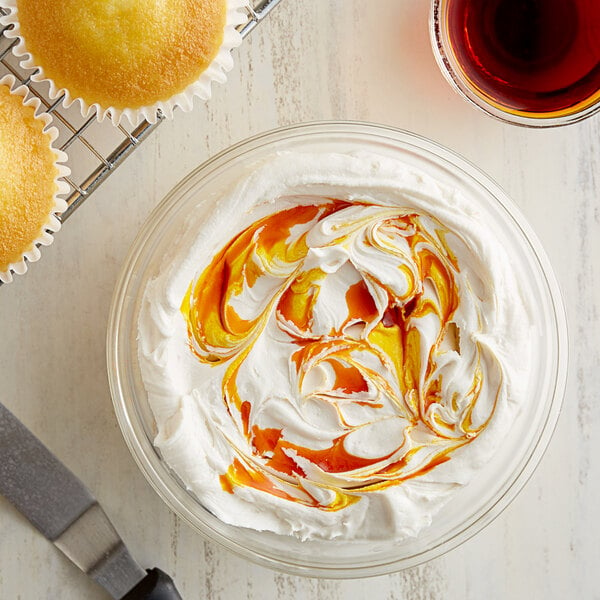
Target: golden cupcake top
122, 53
28, 175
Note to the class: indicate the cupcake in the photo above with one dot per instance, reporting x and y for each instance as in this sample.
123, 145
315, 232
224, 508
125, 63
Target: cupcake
30, 185
127, 58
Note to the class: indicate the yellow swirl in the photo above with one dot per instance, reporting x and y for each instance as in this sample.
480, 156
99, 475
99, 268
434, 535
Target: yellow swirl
384, 350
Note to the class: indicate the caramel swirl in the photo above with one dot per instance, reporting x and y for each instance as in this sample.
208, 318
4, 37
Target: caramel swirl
344, 368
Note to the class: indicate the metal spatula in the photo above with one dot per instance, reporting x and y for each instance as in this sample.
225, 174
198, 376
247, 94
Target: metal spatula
67, 514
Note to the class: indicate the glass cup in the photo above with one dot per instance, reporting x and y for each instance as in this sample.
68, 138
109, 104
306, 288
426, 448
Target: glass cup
534, 63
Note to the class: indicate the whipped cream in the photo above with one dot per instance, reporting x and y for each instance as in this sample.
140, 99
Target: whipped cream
336, 350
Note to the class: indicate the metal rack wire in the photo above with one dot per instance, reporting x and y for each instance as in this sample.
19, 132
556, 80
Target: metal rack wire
95, 149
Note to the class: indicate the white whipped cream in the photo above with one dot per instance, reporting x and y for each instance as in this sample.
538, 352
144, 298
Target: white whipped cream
288, 406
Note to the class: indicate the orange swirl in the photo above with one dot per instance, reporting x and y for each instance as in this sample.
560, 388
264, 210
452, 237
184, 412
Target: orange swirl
375, 356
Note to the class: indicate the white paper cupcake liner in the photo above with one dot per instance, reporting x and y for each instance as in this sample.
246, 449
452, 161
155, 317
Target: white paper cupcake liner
201, 88
52, 224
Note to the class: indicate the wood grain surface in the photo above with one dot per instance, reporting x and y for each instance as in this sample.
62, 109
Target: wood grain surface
312, 59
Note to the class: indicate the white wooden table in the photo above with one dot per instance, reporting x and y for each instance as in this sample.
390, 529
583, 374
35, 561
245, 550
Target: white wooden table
312, 59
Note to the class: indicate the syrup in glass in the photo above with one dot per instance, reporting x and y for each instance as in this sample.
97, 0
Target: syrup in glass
533, 58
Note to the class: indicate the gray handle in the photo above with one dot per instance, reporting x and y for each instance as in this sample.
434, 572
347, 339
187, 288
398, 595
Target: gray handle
157, 585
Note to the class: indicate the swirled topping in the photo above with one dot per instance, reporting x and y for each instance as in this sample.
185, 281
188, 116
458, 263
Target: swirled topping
333, 348
355, 301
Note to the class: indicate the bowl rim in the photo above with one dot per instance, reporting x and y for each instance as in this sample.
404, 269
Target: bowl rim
149, 462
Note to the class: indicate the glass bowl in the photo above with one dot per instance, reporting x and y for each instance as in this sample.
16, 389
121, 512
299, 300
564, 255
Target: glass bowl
455, 73
472, 507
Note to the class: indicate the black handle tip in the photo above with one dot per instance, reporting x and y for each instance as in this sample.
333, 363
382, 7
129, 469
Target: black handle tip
157, 585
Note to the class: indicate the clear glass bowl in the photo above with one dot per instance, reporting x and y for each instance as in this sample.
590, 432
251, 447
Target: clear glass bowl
455, 74
474, 506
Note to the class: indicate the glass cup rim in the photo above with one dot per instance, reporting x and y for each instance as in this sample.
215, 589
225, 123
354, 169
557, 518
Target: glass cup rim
141, 447
452, 72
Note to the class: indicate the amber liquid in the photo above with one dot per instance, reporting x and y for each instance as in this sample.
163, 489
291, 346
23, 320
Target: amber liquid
530, 57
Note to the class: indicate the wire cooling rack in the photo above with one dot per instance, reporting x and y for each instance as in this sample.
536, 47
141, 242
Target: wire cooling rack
95, 149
